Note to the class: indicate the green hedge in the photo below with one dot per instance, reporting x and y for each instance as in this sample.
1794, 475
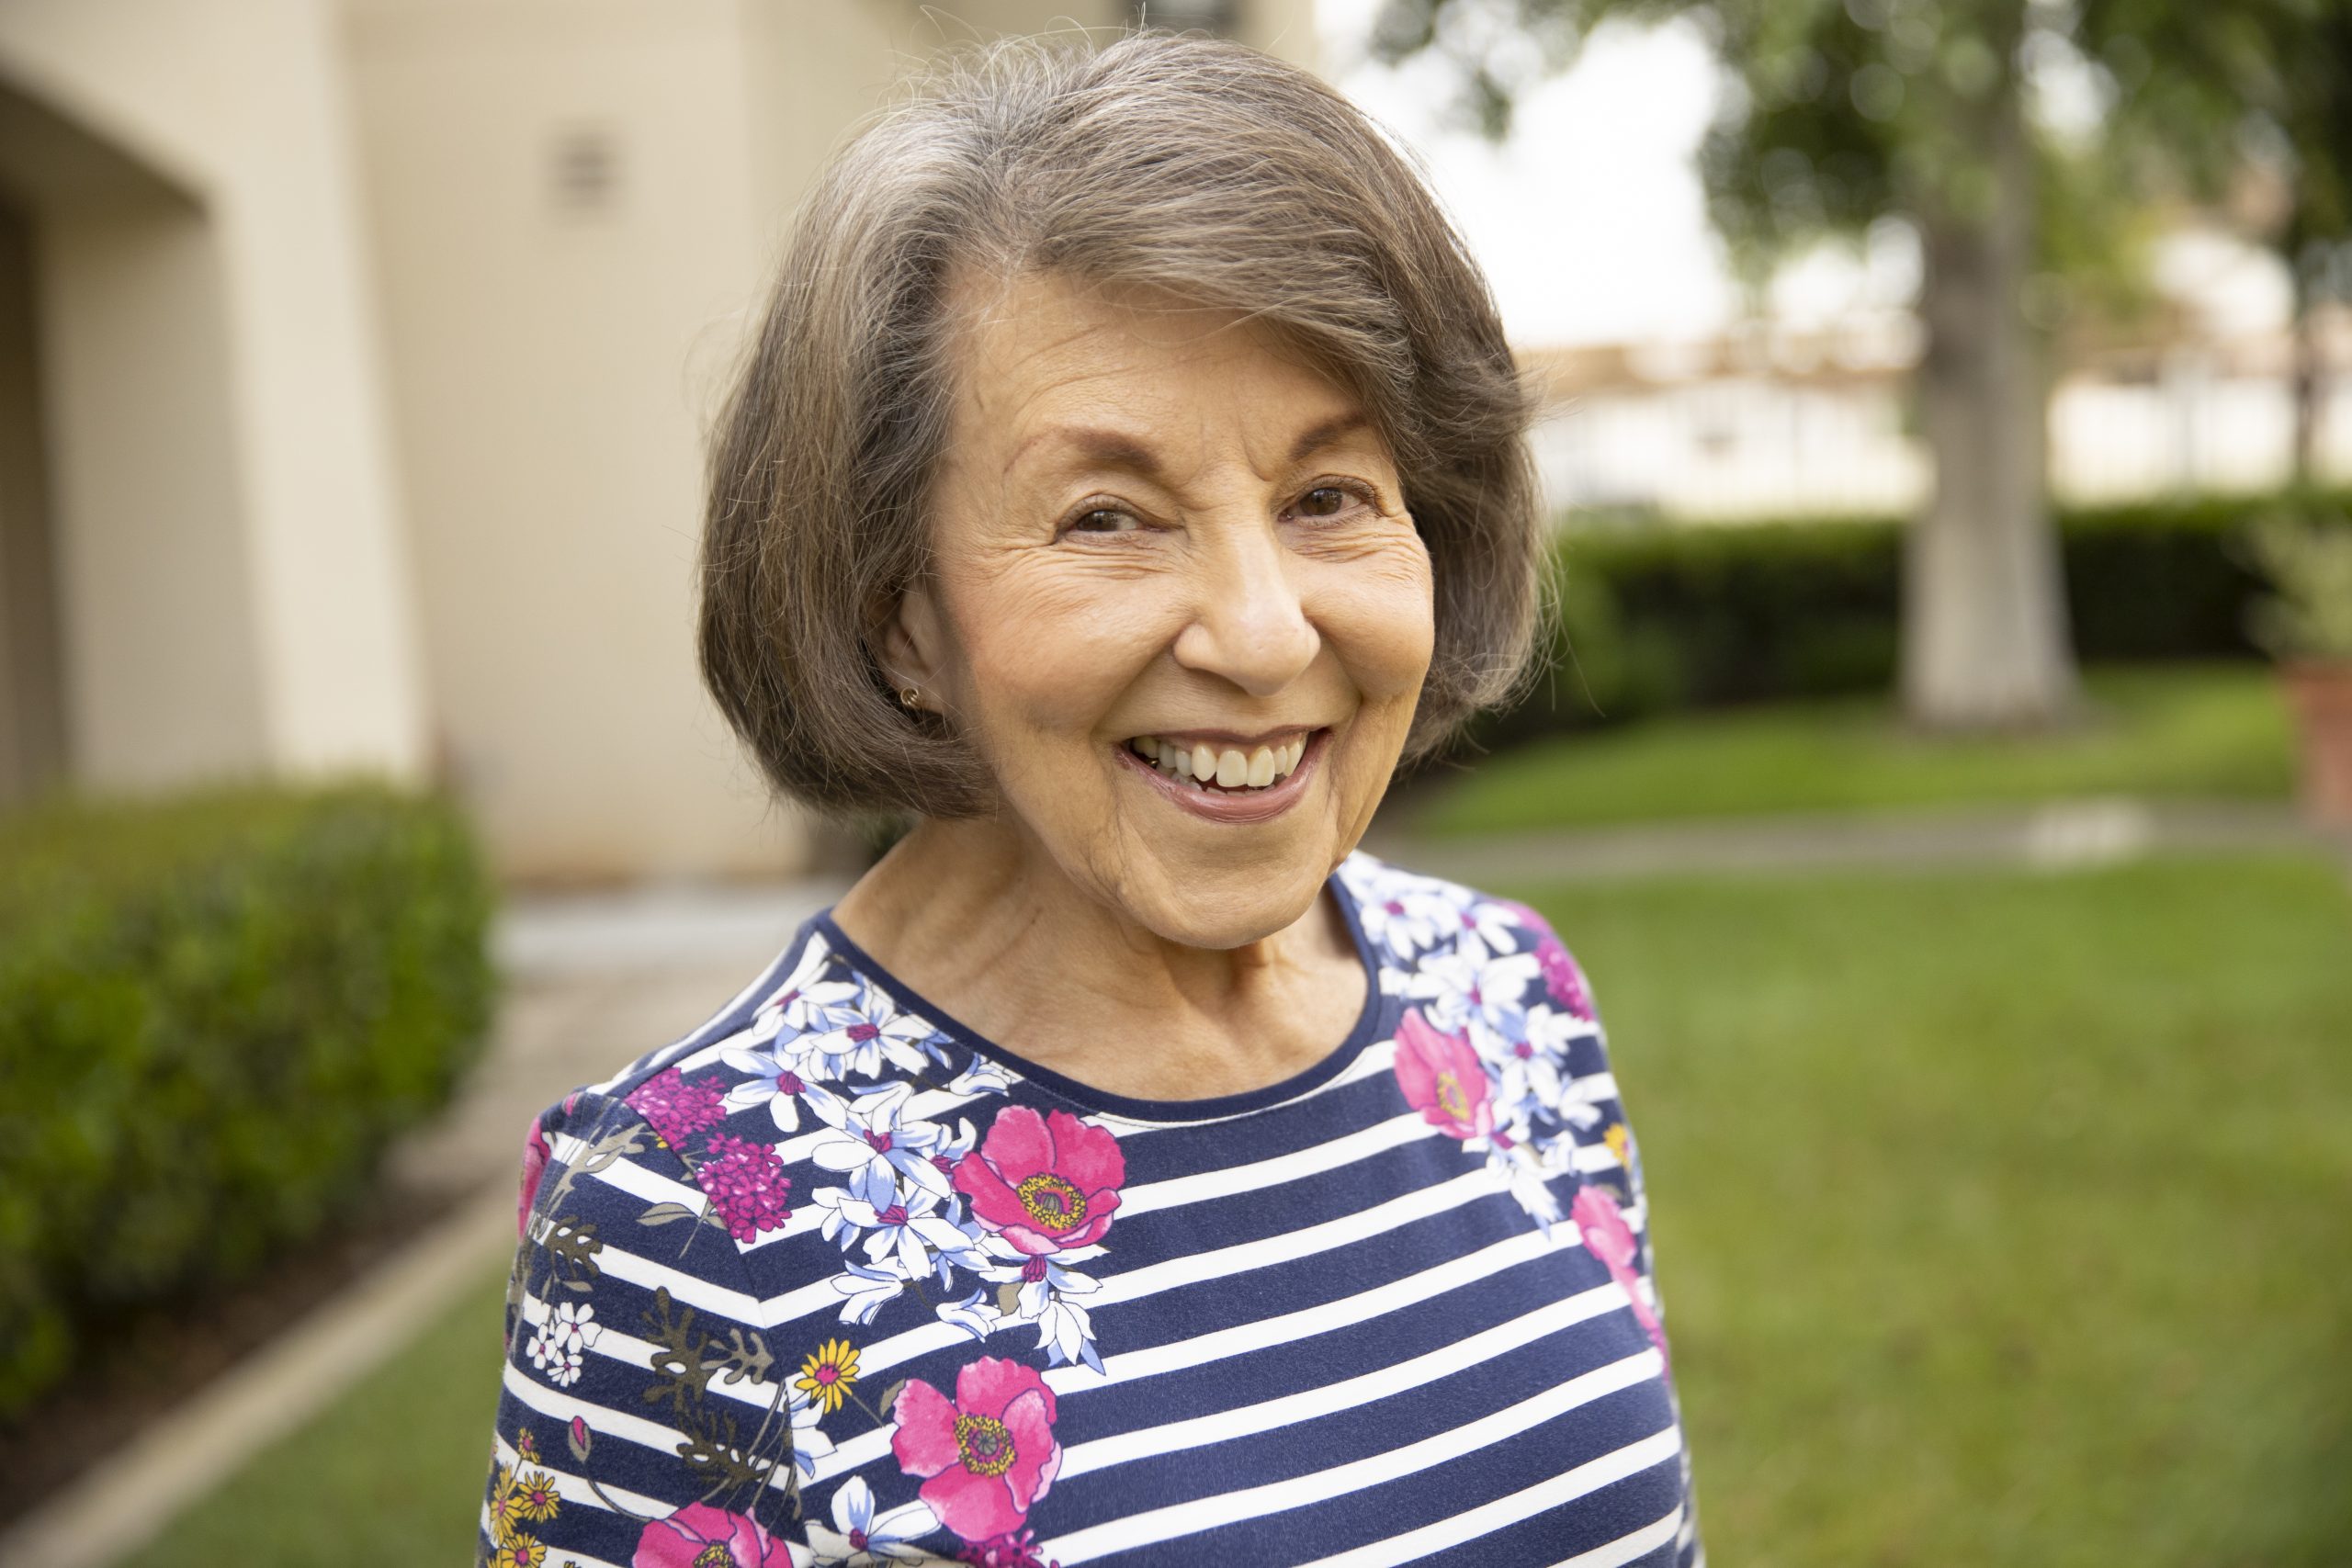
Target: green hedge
1656, 619
214, 1013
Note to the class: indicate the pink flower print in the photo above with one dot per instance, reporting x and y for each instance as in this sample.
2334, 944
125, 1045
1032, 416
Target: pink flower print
536, 1155
1562, 978
1608, 1237
1005, 1552
986, 1458
1443, 1078
701, 1536
746, 1184
1044, 1183
676, 1109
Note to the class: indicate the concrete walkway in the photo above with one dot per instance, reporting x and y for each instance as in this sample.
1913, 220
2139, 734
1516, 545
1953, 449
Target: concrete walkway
590, 983
2053, 836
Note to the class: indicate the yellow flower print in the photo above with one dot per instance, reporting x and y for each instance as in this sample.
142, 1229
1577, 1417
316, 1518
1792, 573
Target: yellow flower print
521, 1552
829, 1374
529, 1447
535, 1495
504, 1515
1620, 1143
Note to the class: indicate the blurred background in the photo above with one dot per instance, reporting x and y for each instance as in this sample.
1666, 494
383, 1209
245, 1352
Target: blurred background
1943, 766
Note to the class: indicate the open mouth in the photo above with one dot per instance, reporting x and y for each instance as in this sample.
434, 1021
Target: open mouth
1215, 769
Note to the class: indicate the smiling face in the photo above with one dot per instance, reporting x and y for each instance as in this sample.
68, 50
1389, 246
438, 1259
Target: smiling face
1176, 603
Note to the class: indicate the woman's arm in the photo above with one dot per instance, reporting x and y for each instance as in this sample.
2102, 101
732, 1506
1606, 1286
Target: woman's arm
643, 1417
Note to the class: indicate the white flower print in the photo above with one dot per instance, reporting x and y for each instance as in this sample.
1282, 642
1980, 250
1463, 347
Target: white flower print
809, 1444
1403, 919
1488, 931
907, 1236
815, 996
1064, 1329
1469, 990
883, 1154
772, 1077
857, 1538
861, 1039
575, 1325
560, 1363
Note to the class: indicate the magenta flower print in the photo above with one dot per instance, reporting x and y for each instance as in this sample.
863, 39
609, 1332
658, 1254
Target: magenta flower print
1443, 1078
986, 1458
536, 1155
1005, 1552
1044, 1183
746, 1184
1562, 978
1608, 1237
678, 1109
701, 1536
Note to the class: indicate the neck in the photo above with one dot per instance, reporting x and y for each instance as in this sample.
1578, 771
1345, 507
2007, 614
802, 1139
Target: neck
979, 919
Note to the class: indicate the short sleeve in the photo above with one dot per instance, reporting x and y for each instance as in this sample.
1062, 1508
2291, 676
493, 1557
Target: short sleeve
1611, 1204
641, 1416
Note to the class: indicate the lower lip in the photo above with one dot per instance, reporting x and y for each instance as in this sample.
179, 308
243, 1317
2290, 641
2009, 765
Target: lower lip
1255, 806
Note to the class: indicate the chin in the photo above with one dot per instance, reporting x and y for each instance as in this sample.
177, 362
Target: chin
1225, 909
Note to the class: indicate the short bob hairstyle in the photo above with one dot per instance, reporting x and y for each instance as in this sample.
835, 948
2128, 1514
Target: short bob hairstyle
1196, 166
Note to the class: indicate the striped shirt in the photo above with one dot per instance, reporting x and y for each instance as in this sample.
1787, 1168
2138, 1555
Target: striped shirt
834, 1280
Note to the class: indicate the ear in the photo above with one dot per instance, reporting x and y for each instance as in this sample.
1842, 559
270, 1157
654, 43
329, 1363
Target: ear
911, 644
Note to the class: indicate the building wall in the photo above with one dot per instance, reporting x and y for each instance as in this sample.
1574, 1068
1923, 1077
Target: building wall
561, 200
231, 581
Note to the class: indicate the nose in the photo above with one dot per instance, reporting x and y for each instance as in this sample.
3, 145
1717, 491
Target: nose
1249, 622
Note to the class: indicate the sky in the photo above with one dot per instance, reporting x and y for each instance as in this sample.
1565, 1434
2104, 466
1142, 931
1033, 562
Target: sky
1590, 222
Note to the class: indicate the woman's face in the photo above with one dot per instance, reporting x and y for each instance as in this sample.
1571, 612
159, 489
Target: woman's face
1165, 549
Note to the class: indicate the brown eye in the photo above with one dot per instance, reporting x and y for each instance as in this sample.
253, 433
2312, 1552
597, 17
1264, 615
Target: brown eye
1102, 520
1324, 501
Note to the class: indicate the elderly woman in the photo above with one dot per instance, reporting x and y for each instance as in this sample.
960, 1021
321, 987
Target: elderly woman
1128, 477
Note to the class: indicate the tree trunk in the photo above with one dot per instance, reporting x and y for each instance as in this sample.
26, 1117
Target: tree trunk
1985, 629
2306, 372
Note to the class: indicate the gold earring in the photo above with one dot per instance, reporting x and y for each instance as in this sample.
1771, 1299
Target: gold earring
908, 697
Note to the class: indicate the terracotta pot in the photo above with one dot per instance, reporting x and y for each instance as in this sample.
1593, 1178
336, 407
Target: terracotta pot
2321, 693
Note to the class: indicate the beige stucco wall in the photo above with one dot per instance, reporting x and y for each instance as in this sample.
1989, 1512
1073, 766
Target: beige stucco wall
555, 357
233, 578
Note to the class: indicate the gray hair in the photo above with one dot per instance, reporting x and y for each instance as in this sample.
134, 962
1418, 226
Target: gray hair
1200, 166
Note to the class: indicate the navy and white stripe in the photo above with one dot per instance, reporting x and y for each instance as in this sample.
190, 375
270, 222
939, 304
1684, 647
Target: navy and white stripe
1346, 1318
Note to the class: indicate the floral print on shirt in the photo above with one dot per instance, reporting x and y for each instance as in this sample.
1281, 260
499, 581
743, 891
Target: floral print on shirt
948, 1201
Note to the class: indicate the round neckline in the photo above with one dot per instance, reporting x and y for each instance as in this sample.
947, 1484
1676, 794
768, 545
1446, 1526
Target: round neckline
1130, 1107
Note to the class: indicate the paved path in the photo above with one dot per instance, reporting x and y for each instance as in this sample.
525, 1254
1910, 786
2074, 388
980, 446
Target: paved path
2053, 836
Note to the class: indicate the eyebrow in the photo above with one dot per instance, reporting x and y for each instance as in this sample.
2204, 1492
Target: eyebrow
1118, 449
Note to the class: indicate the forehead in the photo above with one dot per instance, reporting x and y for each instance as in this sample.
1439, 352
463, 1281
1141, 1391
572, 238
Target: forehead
1037, 349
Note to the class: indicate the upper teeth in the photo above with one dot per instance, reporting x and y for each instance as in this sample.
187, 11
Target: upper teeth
1228, 767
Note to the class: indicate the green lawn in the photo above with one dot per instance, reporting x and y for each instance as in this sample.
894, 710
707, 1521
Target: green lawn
391, 1476
2002, 1219
2179, 730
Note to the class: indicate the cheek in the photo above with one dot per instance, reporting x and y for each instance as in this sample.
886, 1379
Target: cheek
1380, 617
1050, 654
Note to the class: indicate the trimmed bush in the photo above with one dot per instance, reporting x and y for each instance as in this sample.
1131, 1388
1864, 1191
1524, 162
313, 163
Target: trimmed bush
1658, 618
214, 1013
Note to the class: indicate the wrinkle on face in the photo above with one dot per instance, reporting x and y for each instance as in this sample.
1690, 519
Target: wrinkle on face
1134, 532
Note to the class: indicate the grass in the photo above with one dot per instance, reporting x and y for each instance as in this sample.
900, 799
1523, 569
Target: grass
2002, 1220
2165, 730
390, 1476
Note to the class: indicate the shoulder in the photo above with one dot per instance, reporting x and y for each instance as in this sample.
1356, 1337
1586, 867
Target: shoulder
1424, 930
815, 1052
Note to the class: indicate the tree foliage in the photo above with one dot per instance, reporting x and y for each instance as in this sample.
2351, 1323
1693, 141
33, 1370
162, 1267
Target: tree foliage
1839, 113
